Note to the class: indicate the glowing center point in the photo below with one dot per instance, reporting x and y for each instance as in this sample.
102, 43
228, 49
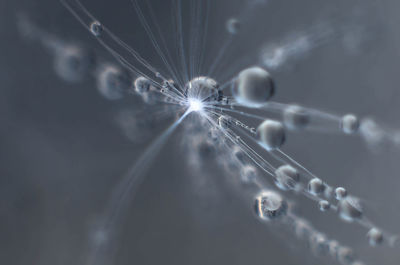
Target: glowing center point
195, 105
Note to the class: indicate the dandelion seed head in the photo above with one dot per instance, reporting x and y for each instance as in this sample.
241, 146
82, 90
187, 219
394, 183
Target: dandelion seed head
220, 133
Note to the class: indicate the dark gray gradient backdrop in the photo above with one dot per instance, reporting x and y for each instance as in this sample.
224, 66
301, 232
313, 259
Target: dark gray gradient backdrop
61, 154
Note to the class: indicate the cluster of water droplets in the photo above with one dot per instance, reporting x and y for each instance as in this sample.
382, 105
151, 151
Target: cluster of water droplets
215, 125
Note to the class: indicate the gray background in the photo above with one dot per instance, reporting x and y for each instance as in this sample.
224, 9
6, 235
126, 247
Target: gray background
61, 153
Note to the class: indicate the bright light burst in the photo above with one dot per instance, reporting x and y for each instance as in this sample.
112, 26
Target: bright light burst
195, 105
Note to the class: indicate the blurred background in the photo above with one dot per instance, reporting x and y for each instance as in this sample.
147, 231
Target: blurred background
61, 152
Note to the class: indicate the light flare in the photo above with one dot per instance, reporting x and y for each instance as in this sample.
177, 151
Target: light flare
195, 105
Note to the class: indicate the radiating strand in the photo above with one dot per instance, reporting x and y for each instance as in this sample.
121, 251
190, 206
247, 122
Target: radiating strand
152, 38
126, 189
80, 12
180, 79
